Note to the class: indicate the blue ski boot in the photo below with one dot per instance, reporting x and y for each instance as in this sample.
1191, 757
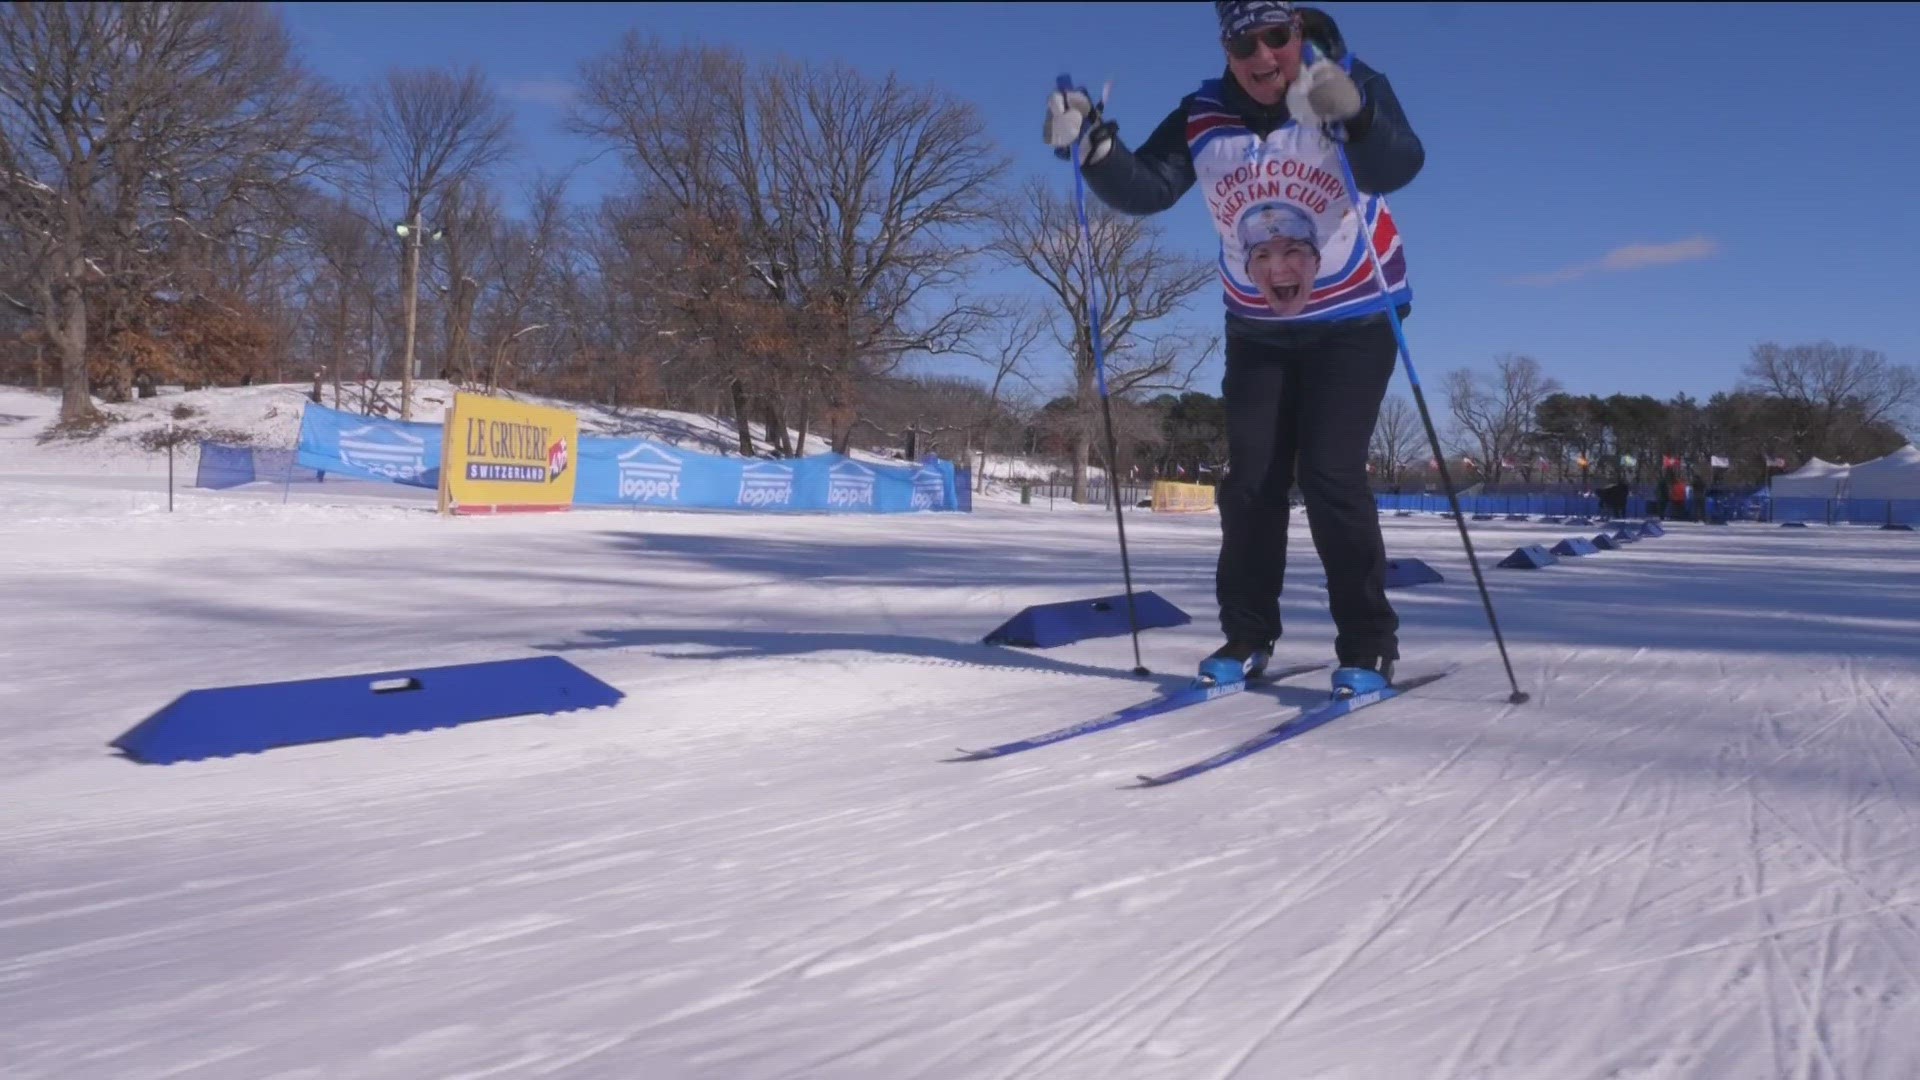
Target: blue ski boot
1236, 661
1362, 677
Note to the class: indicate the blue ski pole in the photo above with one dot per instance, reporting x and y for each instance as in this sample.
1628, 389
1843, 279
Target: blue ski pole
1100, 377
1420, 399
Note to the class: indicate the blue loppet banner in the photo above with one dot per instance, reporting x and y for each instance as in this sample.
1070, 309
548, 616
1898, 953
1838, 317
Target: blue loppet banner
368, 447
640, 472
636, 472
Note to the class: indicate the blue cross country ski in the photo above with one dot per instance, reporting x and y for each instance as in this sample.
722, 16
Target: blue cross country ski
1194, 694
1292, 727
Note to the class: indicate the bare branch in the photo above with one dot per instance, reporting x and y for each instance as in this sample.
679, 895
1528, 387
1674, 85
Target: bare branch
1138, 281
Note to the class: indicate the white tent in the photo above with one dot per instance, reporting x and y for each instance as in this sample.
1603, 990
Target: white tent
1816, 479
1896, 476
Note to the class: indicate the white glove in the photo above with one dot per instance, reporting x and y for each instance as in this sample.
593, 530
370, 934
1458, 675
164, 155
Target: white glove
1070, 113
1323, 94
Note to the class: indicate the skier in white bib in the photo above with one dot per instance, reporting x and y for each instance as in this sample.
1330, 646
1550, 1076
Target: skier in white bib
1310, 350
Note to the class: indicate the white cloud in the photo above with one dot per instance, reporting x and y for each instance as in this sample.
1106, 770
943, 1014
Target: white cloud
1629, 257
551, 92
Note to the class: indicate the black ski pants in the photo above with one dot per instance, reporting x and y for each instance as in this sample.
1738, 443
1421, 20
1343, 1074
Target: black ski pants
1306, 410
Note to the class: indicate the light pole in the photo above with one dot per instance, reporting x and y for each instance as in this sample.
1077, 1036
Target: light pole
414, 234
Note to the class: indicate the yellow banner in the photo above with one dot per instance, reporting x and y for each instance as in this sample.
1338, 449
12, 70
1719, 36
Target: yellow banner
1175, 498
500, 456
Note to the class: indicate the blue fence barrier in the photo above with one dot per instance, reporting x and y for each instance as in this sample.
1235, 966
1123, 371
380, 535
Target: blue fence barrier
1548, 505
637, 472
223, 466
640, 472
369, 447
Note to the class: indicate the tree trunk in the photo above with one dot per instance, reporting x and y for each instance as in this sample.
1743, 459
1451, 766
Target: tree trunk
459, 321
800, 447
775, 430
1082, 449
740, 414
65, 321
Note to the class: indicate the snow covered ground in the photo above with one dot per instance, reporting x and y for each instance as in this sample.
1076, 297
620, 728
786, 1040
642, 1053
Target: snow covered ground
1696, 853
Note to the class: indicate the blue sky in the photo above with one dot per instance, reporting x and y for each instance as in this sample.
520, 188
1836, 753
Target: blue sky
1633, 194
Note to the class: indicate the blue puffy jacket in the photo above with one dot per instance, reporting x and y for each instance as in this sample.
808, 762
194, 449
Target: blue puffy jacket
1382, 148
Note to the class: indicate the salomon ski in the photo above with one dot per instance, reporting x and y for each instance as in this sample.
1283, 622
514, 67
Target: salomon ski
1292, 727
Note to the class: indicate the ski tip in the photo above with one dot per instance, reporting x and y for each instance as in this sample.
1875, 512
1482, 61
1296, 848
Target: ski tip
1063, 81
968, 755
1146, 781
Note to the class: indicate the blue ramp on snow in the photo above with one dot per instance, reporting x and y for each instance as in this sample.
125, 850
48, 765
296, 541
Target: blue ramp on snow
1531, 557
1575, 545
1402, 573
249, 719
1045, 625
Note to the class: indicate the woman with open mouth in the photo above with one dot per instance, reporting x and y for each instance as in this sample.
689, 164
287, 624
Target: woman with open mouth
1283, 255
1308, 362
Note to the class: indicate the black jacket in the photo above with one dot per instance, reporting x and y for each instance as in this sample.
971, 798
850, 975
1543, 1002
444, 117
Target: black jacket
1381, 146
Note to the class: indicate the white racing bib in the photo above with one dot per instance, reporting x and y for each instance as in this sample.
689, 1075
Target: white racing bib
1290, 246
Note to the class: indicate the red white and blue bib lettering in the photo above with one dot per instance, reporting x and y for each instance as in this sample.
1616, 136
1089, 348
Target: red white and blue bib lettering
1290, 247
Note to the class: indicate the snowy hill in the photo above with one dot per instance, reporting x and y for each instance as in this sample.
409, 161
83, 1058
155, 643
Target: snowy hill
269, 416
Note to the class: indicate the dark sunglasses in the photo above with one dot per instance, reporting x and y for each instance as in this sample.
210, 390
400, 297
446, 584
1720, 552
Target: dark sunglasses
1276, 37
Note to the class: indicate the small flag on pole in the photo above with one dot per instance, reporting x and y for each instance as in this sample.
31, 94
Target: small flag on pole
1718, 462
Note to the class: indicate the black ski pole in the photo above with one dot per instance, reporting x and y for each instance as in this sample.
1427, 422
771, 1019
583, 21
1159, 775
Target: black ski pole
1433, 437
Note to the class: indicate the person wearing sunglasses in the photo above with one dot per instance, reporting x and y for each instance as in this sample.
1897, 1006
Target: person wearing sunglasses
1305, 374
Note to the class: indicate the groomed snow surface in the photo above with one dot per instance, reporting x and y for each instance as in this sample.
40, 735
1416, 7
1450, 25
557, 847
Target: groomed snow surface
1695, 853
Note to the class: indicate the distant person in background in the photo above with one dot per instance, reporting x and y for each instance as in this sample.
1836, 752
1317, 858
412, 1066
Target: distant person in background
1613, 500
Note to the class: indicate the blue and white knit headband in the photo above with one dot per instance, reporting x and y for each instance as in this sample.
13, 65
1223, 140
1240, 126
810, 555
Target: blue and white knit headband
1244, 16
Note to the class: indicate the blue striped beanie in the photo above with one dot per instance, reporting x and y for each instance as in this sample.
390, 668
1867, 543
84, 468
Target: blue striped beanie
1244, 16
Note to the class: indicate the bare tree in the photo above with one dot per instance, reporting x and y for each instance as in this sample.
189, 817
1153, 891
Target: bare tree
1397, 438
470, 218
435, 131
873, 188
1838, 393
824, 212
1005, 344
1140, 281
525, 256
683, 121
1496, 412
131, 131
341, 306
